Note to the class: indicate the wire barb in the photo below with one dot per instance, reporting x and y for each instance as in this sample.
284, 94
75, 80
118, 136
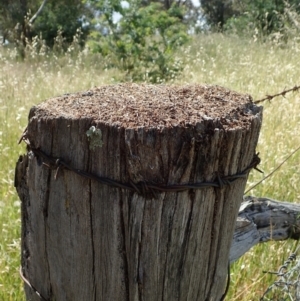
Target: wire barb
270, 97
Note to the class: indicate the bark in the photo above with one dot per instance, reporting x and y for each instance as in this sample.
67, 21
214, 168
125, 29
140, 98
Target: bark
24, 26
85, 241
261, 220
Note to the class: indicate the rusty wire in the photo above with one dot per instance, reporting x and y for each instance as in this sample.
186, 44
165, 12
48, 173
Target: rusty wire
283, 93
143, 187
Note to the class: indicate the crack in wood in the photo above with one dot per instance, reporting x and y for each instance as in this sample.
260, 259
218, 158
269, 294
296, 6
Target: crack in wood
124, 251
92, 241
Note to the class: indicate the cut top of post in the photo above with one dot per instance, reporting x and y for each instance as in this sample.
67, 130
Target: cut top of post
132, 105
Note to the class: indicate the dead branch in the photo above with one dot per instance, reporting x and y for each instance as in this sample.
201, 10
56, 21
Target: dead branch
261, 220
31, 21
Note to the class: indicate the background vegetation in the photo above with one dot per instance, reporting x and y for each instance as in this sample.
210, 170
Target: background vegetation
243, 53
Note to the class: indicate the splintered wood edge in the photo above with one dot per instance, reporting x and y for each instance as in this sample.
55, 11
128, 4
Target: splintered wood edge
153, 106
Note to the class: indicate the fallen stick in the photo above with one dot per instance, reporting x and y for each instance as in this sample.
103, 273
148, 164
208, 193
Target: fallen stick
261, 220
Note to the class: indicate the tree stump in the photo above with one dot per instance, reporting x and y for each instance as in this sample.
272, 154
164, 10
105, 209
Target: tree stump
125, 191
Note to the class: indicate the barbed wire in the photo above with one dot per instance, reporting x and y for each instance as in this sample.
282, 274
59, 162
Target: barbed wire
283, 93
143, 188
270, 97
287, 287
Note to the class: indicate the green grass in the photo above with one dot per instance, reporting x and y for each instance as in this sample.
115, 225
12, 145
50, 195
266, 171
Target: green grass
242, 65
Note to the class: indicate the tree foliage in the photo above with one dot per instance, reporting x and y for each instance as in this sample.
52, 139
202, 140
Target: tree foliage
139, 37
217, 12
191, 9
65, 15
13, 13
265, 16
142, 43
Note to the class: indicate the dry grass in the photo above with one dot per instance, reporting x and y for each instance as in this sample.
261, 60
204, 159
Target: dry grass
241, 65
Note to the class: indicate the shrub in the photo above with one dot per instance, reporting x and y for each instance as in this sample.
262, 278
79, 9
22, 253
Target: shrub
143, 42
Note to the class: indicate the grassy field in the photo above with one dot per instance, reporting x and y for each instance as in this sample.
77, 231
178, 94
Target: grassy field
242, 65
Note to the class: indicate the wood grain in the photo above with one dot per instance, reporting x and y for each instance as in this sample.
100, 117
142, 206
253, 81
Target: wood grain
86, 241
261, 220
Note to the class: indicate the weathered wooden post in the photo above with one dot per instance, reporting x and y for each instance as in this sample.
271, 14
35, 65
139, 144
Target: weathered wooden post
125, 191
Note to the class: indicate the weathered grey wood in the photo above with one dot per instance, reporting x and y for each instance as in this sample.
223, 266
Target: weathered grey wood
261, 220
86, 241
